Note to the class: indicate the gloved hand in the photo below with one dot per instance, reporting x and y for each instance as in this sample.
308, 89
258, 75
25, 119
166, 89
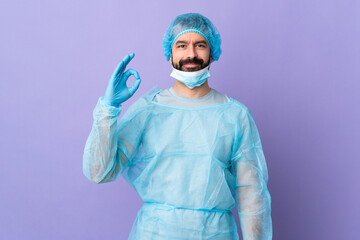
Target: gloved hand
117, 92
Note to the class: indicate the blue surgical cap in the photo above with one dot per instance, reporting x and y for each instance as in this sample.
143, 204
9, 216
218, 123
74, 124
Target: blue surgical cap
192, 22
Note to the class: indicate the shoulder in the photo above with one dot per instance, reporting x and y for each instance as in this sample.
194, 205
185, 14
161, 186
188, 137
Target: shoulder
240, 113
239, 105
142, 105
238, 108
145, 99
235, 106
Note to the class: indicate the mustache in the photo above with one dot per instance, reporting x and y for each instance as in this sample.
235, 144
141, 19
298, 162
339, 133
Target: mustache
191, 60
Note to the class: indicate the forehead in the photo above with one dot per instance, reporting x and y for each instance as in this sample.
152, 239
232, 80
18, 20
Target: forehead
190, 37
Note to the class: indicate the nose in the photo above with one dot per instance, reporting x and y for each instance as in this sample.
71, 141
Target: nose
191, 52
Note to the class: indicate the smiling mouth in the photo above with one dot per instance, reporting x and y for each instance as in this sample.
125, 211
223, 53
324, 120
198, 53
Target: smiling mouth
190, 65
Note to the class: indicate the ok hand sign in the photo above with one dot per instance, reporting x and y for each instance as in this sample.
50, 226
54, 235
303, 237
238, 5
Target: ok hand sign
117, 92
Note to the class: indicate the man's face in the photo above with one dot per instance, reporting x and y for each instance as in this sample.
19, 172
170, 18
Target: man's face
190, 52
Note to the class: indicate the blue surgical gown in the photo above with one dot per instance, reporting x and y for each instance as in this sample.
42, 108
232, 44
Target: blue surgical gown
190, 166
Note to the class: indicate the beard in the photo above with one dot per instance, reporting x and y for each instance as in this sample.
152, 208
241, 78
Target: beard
181, 63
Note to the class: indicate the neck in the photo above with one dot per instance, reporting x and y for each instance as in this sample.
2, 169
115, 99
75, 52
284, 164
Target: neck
181, 89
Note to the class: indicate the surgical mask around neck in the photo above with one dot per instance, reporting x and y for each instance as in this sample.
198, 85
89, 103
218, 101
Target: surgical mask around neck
191, 79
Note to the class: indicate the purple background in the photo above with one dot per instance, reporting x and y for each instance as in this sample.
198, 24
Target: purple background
295, 64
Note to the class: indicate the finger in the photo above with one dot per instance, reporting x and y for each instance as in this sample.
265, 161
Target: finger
118, 68
136, 84
127, 59
122, 65
130, 72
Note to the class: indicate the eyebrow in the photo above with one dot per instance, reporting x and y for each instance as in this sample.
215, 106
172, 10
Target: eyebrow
182, 41
202, 41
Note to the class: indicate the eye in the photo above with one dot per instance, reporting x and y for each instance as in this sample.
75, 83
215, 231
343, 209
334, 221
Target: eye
201, 45
181, 46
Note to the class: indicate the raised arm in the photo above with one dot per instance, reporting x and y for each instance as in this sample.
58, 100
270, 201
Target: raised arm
106, 153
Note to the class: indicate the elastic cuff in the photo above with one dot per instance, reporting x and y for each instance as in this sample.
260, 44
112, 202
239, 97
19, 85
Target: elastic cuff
101, 101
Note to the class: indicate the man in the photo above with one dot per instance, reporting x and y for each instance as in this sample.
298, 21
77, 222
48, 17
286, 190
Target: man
190, 152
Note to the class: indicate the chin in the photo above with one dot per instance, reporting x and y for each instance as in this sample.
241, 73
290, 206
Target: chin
185, 69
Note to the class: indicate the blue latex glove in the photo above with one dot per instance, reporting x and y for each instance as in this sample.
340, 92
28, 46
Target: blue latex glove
117, 92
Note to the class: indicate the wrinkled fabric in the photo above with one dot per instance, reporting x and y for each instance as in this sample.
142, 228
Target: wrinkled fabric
190, 166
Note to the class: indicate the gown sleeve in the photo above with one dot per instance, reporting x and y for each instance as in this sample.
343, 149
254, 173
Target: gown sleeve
111, 144
253, 200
